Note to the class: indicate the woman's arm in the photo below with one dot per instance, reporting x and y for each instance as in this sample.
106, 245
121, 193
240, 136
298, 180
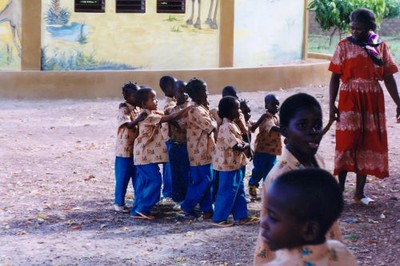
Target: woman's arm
391, 86
333, 92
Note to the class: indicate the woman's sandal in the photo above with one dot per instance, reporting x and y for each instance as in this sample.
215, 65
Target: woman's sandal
140, 215
366, 201
223, 224
249, 221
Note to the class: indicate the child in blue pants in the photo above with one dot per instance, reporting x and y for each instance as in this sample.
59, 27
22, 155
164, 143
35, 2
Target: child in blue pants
267, 144
229, 159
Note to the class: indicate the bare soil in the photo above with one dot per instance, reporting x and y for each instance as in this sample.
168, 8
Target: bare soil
57, 185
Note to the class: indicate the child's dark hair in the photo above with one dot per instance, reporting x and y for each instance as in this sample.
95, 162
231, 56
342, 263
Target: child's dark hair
143, 95
244, 105
225, 106
364, 16
293, 104
229, 91
166, 81
313, 194
269, 98
130, 87
194, 87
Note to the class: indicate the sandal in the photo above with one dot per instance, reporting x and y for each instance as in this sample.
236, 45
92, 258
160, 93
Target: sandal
223, 224
249, 221
366, 201
140, 215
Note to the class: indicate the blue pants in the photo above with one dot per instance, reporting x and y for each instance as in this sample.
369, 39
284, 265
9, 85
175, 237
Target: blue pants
166, 181
180, 169
199, 189
124, 171
231, 197
263, 163
148, 188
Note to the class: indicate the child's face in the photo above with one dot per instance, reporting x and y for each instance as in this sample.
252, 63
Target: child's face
180, 95
234, 113
129, 97
246, 112
304, 131
279, 229
152, 102
272, 105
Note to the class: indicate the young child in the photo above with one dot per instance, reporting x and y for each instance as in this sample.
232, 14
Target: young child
177, 148
228, 160
200, 145
301, 206
149, 152
167, 85
301, 124
267, 144
128, 118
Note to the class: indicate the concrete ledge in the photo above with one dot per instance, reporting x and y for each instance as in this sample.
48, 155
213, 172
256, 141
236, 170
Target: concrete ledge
101, 84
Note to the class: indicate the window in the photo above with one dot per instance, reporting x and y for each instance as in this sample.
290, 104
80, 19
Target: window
131, 6
93, 6
171, 6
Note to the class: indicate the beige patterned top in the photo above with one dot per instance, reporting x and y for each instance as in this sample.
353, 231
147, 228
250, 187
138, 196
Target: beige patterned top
125, 136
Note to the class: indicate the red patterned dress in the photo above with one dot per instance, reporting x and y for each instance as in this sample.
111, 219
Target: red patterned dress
361, 136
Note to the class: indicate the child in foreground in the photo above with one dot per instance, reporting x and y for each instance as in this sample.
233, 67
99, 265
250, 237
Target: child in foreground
128, 118
301, 206
300, 118
229, 159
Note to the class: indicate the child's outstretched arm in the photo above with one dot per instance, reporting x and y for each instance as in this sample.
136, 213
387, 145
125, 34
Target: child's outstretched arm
139, 118
255, 126
328, 126
176, 115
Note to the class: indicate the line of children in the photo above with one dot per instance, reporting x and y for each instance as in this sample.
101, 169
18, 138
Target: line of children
301, 206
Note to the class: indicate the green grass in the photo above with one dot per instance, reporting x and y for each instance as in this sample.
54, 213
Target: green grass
320, 44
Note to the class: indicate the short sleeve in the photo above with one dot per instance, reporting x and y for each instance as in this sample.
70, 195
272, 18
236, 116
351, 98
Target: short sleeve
335, 65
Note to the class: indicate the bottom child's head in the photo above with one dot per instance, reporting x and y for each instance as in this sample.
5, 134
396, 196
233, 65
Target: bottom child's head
228, 107
167, 85
128, 91
180, 92
301, 206
271, 103
146, 98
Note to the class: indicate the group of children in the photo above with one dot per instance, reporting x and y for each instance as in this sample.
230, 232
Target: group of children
205, 172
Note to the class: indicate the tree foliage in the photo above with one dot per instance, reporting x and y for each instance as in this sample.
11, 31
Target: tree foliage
335, 13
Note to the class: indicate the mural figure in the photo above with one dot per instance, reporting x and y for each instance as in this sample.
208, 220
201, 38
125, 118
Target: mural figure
11, 13
211, 19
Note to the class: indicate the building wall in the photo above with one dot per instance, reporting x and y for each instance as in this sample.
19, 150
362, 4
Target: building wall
112, 41
268, 32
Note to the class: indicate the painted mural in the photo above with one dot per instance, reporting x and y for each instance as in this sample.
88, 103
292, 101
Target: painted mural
117, 41
268, 32
10, 34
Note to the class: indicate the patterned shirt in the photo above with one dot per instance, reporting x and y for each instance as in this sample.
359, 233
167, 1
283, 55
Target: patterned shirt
330, 253
150, 145
178, 134
267, 140
169, 103
125, 136
225, 158
286, 162
199, 135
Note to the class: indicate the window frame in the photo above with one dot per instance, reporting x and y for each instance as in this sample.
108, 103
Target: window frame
142, 6
88, 7
173, 10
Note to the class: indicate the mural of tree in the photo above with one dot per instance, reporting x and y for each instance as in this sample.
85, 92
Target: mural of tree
56, 15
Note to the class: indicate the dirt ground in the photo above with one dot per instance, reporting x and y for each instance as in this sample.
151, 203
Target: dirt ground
57, 184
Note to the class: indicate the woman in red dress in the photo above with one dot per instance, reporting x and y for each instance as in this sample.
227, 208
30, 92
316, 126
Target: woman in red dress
359, 62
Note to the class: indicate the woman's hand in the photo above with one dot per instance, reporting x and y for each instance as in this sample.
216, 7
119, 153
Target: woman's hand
333, 113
